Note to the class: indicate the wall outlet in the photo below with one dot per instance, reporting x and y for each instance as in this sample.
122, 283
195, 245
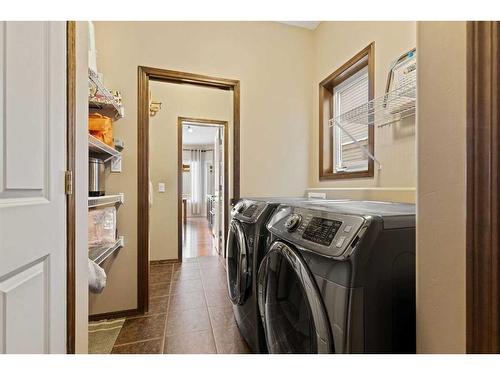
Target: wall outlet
116, 165
316, 195
161, 187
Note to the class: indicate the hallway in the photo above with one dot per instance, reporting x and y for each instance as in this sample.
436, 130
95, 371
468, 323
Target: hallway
197, 239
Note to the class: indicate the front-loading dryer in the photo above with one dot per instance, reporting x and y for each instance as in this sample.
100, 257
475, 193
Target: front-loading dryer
245, 248
339, 278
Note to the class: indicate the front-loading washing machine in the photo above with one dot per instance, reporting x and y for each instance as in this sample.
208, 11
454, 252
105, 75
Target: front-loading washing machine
339, 278
245, 248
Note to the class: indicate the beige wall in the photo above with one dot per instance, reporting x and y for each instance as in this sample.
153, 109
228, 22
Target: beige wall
273, 63
183, 101
441, 187
334, 44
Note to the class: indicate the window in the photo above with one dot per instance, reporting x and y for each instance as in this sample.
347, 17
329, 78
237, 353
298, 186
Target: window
347, 88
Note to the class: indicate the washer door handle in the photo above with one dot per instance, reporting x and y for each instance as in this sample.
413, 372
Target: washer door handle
237, 235
323, 337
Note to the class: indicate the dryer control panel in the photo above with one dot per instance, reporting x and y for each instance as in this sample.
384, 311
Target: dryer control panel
327, 233
248, 211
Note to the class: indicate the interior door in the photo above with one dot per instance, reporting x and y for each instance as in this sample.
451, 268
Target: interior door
216, 200
219, 190
32, 196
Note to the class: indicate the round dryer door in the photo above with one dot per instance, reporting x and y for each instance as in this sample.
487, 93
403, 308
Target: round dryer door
237, 263
291, 308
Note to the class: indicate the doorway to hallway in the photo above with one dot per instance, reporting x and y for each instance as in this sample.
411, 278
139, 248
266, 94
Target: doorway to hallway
202, 188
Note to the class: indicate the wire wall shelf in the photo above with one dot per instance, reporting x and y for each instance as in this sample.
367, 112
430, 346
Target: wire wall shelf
102, 100
101, 150
390, 108
99, 254
106, 200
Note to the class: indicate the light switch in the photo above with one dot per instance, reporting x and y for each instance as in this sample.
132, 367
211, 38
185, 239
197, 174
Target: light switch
161, 187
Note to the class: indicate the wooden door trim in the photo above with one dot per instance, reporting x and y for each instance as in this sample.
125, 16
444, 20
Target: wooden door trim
145, 74
199, 122
483, 188
70, 198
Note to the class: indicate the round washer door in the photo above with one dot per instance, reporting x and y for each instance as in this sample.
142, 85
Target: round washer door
291, 308
237, 263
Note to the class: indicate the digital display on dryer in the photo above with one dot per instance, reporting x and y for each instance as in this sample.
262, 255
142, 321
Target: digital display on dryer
321, 231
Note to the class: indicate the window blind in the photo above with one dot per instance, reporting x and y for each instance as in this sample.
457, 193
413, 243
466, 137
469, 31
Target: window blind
348, 95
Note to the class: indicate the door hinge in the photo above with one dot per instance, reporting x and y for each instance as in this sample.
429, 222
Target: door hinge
68, 182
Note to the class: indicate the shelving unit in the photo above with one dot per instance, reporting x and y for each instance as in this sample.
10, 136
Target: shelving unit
106, 200
107, 153
102, 150
381, 111
101, 253
103, 101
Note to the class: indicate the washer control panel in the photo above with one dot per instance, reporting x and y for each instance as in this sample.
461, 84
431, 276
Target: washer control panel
328, 233
321, 230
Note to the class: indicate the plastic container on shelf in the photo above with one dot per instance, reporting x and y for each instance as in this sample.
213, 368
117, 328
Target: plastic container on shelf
102, 226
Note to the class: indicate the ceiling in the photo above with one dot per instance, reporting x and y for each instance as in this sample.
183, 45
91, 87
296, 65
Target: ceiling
311, 25
201, 135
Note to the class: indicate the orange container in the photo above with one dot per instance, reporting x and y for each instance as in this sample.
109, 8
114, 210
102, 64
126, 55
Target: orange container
101, 127
98, 122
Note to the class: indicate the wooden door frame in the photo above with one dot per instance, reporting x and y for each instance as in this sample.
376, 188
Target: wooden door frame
483, 188
199, 122
70, 198
145, 74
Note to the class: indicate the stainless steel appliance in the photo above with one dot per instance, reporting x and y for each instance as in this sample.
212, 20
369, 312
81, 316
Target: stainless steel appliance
246, 246
339, 277
96, 177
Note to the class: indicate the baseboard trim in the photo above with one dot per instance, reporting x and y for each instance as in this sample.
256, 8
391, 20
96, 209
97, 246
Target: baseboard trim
164, 261
115, 315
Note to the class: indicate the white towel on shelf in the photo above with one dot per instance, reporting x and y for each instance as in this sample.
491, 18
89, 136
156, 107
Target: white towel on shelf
97, 277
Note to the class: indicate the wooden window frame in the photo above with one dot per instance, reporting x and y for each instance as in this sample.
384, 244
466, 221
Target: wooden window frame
326, 86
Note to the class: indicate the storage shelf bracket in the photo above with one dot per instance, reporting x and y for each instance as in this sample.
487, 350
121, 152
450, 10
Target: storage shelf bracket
365, 151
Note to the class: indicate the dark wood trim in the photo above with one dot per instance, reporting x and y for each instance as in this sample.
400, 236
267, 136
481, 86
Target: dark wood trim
200, 122
364, 58
163, 261
70, 198
115, 315
174, 76
180, 221
483, 187
143, 191
145, 74
236, 141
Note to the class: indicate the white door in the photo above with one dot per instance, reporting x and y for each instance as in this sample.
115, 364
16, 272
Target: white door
219, 190
216, 201
32, 197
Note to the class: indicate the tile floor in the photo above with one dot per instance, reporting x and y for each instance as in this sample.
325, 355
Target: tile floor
190, 312
197, 238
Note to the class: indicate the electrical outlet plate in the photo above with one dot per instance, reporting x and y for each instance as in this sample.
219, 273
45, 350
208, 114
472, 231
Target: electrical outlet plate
316, 195
116, 165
